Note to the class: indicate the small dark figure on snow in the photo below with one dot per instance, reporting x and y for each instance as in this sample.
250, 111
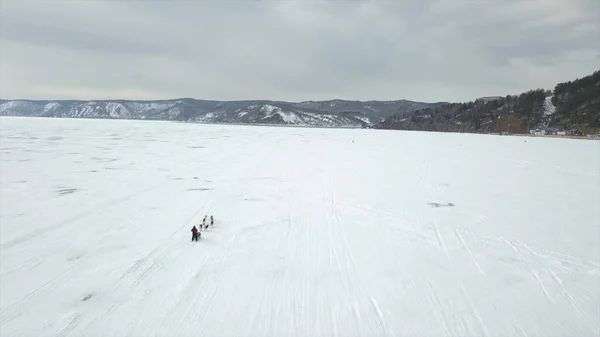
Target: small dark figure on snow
194, 234
212, 221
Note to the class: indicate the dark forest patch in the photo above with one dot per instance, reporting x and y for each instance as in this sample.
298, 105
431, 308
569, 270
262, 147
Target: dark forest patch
437, 204
65, 191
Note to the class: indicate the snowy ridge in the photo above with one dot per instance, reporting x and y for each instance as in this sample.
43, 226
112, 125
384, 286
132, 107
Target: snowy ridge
20, 108
336, 113
50, 107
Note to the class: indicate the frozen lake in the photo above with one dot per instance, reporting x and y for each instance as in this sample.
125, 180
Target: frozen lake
318, 232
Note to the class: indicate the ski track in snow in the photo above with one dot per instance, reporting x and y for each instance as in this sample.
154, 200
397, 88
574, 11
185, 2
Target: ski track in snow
317, 232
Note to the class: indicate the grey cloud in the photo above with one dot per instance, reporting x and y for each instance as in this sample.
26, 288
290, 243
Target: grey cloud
295, 50
544, 45
45, 34
502, 31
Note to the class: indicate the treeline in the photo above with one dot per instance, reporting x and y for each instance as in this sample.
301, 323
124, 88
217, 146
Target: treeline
513, 114
576, 104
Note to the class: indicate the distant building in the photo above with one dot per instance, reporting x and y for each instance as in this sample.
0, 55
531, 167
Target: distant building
488, 98
554, 131
543, 131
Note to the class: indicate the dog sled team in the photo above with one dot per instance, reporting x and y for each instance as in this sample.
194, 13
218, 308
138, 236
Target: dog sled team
205, 224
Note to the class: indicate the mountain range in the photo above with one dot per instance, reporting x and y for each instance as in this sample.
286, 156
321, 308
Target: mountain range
331, 113
570, 105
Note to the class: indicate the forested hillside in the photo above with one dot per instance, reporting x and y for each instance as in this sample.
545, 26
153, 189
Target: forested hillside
573, 104
578, 103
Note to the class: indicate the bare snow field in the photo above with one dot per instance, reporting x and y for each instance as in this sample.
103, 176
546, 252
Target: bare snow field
318, 232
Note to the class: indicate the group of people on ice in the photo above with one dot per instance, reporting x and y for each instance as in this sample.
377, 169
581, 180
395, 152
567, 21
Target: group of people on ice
196, 233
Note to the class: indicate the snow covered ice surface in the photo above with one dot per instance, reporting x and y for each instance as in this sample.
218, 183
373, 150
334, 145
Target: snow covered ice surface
318, 232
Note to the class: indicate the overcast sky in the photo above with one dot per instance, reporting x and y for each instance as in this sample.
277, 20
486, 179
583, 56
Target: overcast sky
423, 50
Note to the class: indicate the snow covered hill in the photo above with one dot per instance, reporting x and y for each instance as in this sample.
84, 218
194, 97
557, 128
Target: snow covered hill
318, 232
336, 113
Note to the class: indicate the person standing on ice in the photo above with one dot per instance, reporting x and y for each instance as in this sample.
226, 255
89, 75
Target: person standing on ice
194, 233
